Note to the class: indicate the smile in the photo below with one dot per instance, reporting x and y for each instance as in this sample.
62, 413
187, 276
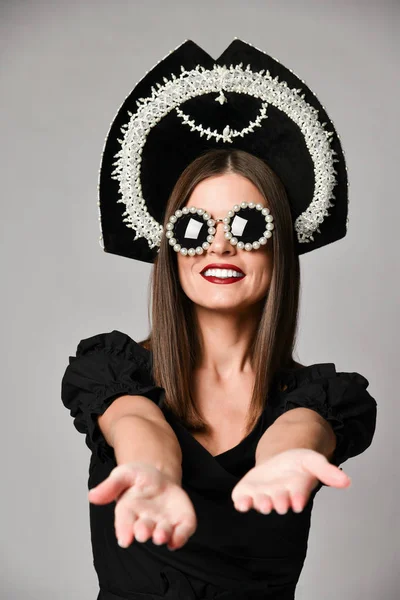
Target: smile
222, 276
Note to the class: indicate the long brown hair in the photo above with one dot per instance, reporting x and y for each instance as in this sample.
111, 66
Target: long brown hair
174, 339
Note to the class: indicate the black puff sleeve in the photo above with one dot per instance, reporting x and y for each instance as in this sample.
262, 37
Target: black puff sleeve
106, 365
341, 398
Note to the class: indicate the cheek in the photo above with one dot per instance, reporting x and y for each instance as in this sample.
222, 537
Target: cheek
262, 267
185, 270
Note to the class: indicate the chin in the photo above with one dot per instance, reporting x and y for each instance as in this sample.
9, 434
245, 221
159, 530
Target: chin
221, 307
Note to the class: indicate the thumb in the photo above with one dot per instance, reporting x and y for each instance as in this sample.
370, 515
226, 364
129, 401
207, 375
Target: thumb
113, 486
319, 466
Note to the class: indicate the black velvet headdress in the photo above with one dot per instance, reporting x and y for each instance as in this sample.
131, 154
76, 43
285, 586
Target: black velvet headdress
189, 103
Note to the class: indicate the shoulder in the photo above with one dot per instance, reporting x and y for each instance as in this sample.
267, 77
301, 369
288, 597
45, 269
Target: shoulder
114, 343
104, 367
340, 397
107, 363
305, 377
322, 387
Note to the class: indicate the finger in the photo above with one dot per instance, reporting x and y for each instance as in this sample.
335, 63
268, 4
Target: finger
143, 529
162, 532
182, 532
281, 501
113, 486
119, 480
319, 466
179, 537
243, 503
263, 503
298, 500
124, 521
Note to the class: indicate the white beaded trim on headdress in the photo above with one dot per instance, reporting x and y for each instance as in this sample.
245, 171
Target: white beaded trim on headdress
199, 81
227, 134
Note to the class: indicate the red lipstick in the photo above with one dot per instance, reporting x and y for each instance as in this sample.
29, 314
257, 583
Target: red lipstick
222, 266
220, 280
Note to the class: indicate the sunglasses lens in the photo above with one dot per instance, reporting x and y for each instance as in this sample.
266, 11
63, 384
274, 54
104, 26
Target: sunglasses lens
247, 225
190, 230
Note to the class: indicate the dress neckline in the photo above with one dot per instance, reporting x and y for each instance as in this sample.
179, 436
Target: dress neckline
239, 446
291, 377
254, 434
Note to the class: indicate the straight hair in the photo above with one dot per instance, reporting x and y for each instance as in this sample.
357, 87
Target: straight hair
174, 340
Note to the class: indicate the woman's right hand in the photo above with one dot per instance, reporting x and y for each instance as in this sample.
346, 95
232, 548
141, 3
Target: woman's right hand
148, 504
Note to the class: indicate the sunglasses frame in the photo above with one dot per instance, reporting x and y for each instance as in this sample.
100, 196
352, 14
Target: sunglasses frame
211, 229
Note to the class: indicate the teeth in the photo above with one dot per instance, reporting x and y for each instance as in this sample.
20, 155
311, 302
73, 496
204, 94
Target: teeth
223, 273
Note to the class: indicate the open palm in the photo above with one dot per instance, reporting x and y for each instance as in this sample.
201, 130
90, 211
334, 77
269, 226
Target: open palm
148, 504
286, 480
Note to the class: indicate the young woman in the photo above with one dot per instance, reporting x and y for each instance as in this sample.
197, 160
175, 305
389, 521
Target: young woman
208, 438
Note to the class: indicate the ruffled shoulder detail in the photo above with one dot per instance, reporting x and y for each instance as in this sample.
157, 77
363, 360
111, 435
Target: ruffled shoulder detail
339, 397
105, 366
293, 378
115, 343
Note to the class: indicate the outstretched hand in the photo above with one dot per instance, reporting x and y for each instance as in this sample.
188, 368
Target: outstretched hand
286, 480
148, 504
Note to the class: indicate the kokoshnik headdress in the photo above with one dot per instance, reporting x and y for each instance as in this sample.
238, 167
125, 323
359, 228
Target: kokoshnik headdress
189, 103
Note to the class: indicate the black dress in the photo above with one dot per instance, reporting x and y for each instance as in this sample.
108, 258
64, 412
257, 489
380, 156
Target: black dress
232, 555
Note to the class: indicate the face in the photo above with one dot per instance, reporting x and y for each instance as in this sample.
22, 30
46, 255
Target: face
217, 195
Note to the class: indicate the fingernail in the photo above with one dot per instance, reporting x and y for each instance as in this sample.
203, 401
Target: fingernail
121, 543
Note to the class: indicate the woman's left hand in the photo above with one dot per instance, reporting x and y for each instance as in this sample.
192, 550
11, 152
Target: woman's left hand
285, 481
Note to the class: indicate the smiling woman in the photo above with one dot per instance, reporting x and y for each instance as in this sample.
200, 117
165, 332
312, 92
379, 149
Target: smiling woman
209, 437
251, 310
216, 195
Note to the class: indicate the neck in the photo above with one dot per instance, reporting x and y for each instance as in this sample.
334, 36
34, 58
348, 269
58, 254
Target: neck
225, 340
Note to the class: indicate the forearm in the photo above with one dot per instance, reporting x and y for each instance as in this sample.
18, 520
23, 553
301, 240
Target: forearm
136, 438
303, 428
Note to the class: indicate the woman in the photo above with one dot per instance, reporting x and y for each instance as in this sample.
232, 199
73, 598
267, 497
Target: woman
208, 437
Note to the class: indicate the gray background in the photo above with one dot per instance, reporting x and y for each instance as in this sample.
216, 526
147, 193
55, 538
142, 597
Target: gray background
65, 69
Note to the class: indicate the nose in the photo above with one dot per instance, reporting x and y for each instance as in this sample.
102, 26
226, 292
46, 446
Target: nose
220, 245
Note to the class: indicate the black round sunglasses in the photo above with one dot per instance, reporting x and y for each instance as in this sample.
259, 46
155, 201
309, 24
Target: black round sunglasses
247, 225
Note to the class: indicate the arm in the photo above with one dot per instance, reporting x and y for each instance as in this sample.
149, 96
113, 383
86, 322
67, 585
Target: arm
340, 401
279, 479
147, 481
109, 387
297, 428
138, 431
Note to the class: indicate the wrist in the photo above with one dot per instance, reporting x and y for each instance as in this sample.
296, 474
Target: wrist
285, 435
172, 472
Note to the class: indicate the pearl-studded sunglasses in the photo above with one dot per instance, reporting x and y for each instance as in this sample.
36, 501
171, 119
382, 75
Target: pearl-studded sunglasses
247, 225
